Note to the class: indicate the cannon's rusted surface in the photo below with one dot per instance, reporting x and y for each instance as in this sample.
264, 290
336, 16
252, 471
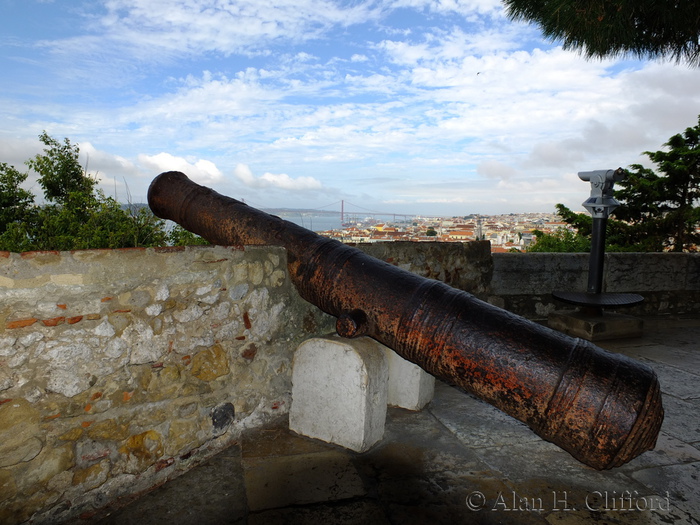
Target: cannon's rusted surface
603, 408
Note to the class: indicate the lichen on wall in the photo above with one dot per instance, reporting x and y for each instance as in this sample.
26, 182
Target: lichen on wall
121, 368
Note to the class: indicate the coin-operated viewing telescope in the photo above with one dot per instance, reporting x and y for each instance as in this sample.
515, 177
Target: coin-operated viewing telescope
600, 205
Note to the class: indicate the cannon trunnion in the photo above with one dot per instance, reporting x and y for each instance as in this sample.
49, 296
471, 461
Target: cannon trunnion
603, 408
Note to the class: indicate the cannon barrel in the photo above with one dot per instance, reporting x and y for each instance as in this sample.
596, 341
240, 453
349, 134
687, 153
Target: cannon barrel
603, 408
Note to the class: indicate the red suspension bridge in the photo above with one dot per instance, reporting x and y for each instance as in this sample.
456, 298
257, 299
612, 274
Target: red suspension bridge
355, 210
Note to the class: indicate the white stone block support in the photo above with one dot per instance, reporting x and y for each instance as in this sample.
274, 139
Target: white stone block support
339, 391
410, 386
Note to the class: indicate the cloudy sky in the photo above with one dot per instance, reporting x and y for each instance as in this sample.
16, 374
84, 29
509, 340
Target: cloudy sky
411, 106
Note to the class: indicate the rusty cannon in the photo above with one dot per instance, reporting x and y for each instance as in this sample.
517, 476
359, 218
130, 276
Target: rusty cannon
603, 408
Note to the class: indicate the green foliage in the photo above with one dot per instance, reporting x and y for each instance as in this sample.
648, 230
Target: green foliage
581, 222
60, 172
619, 236
658, 210
76, 216
662, 210
562, 240
599, 29
15, 202
146, 228
431, 232
179, 236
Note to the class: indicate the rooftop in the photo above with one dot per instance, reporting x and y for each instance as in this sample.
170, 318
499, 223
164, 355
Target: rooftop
457, 461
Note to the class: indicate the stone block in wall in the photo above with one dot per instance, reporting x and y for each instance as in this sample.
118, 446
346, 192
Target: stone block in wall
339, 391
693, 272
643, 272
463, 265
20, 432
538, 273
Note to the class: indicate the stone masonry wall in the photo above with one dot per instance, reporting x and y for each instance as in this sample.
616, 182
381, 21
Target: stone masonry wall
121, 369
669, 282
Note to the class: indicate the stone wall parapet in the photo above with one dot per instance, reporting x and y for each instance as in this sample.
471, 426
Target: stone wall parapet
669, 282
466, 266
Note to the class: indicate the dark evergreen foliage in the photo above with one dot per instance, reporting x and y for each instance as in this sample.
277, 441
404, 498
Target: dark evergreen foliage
663, 210
605, 28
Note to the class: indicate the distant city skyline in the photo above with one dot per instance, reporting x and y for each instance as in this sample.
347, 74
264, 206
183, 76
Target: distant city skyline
426, 107
323, 221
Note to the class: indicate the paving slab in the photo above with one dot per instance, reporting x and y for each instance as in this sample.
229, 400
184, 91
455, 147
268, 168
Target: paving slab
650, 517
341, 513
680, 484
682, 418
419, 514
300, 479
422, 473
276, 442
684, 358
474, 422
668, 451
676, 381
211, 494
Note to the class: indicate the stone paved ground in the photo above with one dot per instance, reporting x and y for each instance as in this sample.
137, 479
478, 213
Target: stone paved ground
458, 461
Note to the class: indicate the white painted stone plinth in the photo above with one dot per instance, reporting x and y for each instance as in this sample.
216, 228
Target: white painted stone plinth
339, 391
410, 386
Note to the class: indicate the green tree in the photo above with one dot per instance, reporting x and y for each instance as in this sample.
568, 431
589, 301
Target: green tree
147, 229
59, 169
562, 240
659, 210
76, 216
16, 203
605, 28
662, 208
96, 222
430, 232
179, 236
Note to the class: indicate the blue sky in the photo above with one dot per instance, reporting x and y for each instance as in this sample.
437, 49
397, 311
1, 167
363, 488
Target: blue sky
439, 107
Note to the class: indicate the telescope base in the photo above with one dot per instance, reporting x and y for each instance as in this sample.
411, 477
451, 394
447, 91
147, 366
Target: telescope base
599, 300
594, 326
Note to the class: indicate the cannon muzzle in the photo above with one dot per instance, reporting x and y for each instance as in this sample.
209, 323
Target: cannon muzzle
603, 408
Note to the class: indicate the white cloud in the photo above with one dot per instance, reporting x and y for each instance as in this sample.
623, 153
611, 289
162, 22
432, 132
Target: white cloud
494, 169
15, 151
453, 200
272, 180
467, 8
100, 162
201, 171
210, 97
141, 27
